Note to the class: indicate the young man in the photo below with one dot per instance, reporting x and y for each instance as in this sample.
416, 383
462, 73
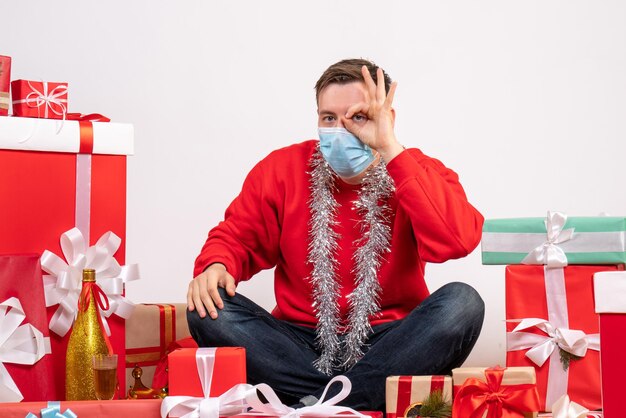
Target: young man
349, 222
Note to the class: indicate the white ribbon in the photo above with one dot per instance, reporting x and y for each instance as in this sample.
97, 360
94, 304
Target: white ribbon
232, 402
19, 344
240, 397
63, 284
540, 347
564, 408
549, 253
38, 98
322, 408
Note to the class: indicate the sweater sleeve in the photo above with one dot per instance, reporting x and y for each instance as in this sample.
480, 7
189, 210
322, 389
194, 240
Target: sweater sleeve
247, 240
445, 224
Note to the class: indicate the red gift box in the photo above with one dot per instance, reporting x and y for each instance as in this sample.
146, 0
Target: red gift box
20, 277
41, 199
610, 298
228, 369
403, 392
563, 297
39, 99
5, 78
152, 332
495, 392
144, 408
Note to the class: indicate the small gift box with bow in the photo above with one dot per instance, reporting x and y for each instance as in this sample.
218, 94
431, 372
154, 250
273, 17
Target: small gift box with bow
494, 392
405, 394
555, 241
552, 326
39, 99
5, 78
218, 369
610, 298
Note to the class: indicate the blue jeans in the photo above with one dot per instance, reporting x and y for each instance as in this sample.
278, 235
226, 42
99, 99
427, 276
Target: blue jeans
434, 338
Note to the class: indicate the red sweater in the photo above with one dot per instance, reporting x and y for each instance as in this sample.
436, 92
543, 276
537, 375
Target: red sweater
267, 226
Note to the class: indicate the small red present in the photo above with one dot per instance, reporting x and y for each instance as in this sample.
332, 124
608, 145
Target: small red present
5, 78
403, 393
22, 295
39, 99
610, 297
494, 392
221, 369
558, 332
144, 408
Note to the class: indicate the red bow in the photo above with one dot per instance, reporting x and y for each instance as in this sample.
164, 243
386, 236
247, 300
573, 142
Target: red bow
102, 302
510, 401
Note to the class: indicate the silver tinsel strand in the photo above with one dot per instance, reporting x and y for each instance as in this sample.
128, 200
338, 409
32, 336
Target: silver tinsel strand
372, 205
322, 255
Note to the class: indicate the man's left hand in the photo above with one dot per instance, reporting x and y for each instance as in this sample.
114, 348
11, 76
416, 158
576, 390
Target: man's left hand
377, 131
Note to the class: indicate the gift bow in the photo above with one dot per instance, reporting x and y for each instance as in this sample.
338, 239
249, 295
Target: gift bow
540, 347
53, 410
232, 402
510, 401
63, 284
49, 99
322, 408
549, 253
19, 344
564, 408
240, 397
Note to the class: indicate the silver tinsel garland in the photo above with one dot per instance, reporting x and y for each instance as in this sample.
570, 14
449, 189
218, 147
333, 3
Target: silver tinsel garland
372, 206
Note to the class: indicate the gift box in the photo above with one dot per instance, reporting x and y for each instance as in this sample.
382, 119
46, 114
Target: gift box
52, 180
404, 393
5, 78
553, 327
148, 408
610, 298
150, 333
224, 367
511, 390
20, 278
555, 241
39, 99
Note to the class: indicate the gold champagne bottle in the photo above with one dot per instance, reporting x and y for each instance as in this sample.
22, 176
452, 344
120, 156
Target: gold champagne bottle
87, 338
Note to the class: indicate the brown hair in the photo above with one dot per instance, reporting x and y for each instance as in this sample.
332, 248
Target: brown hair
347, 71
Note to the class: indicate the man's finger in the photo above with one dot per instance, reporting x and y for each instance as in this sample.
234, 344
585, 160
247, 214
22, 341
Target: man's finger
230, 286
369, 82
197, 300
190, 304
361, 107
380, 85
392, 92
215, 295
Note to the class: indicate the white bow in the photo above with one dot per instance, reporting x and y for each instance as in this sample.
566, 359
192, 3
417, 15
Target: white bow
549, 253
63, 284
320, 409
19, 344
564, 408
540, 347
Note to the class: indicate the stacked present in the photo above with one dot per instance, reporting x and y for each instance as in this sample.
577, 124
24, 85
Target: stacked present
63, 188
552, 325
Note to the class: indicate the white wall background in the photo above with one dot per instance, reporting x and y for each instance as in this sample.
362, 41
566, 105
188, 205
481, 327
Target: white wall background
525, 100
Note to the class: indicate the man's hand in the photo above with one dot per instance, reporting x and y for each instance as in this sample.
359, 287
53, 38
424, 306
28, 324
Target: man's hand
203, 295
377, 131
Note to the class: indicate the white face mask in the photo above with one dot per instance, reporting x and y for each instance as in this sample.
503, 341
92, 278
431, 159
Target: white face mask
344, 152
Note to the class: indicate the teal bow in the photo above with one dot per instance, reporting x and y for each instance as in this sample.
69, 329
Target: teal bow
53, 410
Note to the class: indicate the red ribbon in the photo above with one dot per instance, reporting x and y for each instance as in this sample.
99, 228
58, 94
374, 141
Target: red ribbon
91, 117
102, 302
511, 401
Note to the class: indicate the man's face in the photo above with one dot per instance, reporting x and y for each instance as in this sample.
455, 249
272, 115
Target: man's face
335, 100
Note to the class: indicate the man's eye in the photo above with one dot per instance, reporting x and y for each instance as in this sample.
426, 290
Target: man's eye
328, 118
359, 118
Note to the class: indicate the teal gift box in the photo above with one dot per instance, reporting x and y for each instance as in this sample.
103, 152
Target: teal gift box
555, 241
